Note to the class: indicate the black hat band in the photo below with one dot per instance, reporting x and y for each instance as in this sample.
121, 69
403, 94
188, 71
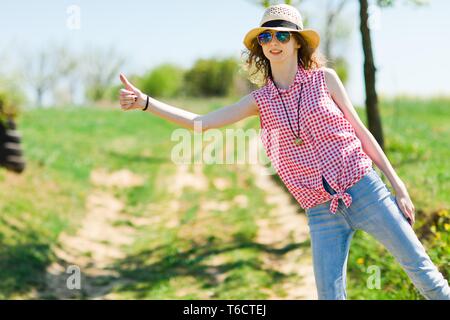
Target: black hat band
280, 23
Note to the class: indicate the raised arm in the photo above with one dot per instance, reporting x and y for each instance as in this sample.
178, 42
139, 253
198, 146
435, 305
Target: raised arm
368, 142
132, 98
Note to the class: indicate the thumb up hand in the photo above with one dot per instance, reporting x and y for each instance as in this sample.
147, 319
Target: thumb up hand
131, 97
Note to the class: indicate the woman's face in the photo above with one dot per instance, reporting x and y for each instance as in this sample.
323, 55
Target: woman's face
277, 51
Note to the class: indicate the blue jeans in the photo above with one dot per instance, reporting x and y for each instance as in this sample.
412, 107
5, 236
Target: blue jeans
375, 211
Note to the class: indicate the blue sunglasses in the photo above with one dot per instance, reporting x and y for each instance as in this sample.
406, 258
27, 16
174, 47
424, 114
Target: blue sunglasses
266, 36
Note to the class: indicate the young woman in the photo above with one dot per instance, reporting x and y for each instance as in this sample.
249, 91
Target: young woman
320, 149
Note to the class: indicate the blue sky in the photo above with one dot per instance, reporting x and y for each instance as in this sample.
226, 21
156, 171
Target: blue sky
410, 44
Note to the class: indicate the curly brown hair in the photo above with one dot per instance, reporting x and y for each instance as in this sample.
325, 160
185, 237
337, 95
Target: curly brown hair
257, 66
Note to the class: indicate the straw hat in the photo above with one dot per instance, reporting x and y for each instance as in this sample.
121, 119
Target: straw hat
283, 17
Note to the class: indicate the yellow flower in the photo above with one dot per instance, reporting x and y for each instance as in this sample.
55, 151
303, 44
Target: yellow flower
360, 261
442, 213
447, 226
438, 235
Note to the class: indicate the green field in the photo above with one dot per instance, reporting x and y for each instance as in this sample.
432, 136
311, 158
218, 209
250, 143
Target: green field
63, 146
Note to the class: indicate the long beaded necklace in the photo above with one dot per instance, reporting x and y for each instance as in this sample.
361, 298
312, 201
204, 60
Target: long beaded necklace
298, 140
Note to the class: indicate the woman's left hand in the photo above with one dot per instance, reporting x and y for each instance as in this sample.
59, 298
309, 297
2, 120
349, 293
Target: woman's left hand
405, 204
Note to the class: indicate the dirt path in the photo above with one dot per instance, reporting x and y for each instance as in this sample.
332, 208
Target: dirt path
97, 243
100, 239
285, 225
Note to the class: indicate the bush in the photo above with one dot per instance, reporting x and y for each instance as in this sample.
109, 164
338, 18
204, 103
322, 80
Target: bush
165, 80
11, 100
211, 77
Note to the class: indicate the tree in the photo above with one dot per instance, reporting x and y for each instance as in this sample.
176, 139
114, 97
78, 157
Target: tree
332, 13
373, 115
335, 31
39, 72
100, 67
68, 70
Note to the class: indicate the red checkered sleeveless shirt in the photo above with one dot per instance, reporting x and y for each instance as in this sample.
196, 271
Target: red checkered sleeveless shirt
330, 146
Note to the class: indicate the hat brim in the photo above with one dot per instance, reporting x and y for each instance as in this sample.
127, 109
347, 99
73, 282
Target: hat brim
311, 36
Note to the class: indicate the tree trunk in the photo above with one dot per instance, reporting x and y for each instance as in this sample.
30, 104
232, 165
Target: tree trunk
373, 115
39, 95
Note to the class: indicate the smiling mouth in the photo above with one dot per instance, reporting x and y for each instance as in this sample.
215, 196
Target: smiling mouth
276, 51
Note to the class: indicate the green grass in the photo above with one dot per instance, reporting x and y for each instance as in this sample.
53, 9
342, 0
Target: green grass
62, 146
417, 145
206, 254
